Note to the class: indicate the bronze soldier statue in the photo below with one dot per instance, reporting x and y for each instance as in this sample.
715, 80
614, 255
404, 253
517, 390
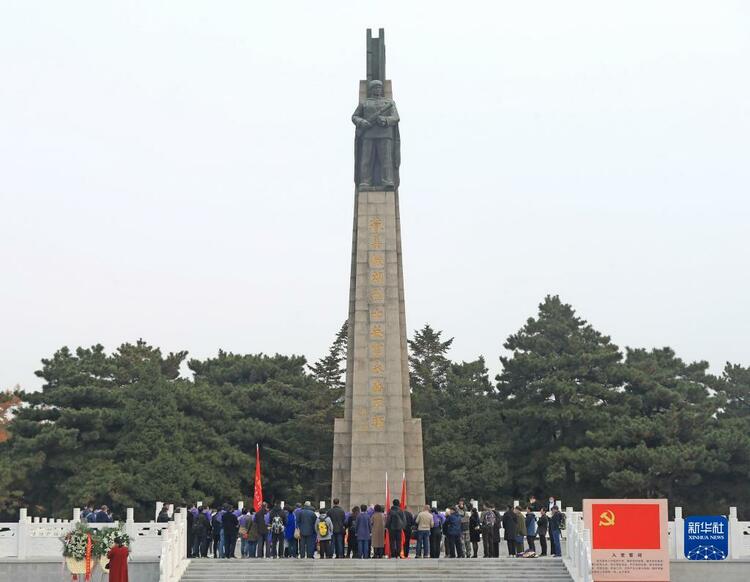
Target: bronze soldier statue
377, 120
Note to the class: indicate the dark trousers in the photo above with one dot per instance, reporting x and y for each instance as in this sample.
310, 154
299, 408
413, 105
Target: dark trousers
338, 544
532, 545
325, 549
277, 545
407, 542
394, 536
543, 543
292, 548
436, 538
556, 545
307, 547
363, 549
455, 546
230, 539
487, 541
511, 547
496, 537
352, 547
217, 538
263, 549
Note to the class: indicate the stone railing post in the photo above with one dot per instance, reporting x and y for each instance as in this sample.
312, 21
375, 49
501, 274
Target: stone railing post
130, 528
678, 533
159, 506
735, 535
76, 514
585, 571
23, 533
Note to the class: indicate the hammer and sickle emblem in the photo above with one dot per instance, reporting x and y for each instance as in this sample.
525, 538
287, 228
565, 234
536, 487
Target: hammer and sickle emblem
607, 519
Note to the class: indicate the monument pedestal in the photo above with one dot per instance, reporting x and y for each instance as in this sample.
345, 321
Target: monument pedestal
377, 434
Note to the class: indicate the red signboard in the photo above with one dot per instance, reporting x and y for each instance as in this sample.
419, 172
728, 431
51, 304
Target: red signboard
625, 526
628, 539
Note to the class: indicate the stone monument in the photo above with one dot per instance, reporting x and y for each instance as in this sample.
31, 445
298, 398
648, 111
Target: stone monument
377, 434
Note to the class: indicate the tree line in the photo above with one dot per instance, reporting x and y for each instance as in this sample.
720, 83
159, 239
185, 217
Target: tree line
570, 415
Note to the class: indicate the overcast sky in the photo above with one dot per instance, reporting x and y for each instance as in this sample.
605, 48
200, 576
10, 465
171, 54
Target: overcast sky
182, 172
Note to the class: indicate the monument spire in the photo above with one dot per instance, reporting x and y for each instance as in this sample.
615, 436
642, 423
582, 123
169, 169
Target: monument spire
377, 434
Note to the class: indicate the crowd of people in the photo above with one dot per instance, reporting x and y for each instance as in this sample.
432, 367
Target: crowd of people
373, 531
101, 515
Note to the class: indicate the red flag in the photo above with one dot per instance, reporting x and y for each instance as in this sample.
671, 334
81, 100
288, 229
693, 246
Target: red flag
625, 526
403, 507
258, 497
387, 507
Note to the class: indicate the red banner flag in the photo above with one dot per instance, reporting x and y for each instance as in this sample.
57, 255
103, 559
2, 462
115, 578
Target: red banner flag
621, 526
89, 545
403, 508
258, 496
387, 507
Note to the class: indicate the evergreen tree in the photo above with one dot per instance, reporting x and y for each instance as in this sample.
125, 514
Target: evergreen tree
656, 446
330, 370
462, 430
561, 382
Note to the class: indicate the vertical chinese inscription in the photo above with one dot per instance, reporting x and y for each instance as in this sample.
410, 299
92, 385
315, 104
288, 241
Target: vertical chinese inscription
376, 337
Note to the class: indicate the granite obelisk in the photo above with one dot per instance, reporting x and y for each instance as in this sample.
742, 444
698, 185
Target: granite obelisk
377, 434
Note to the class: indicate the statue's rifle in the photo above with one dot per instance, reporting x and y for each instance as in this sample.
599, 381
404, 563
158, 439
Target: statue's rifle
371, 120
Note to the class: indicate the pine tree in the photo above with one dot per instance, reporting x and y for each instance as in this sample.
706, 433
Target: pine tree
330, 370
561, 382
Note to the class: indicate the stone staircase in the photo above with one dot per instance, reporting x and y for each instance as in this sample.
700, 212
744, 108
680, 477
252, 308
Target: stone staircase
411, 570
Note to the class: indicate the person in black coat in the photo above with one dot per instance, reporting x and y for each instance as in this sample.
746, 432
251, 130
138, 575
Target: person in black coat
338, 516
509, 525
541, 528
231, 526
496, 533
408, 530
395, 524
475, 531
201, 532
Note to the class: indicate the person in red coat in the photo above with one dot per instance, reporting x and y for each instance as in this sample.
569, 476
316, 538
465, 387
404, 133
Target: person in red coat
118, 562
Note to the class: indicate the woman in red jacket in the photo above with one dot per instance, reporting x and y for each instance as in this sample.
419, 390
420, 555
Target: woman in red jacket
118, 562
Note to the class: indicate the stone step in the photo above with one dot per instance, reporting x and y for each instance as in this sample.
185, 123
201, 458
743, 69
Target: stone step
412, 570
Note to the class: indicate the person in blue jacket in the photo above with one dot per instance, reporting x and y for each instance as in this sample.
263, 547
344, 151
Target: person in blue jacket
292, 543
453, 531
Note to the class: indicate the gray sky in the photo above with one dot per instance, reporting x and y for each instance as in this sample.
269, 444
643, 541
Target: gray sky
182, 172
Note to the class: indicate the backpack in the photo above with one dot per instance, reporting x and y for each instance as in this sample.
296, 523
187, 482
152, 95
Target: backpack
488, 519
398, 521
322, 528
277, 525
562, 520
